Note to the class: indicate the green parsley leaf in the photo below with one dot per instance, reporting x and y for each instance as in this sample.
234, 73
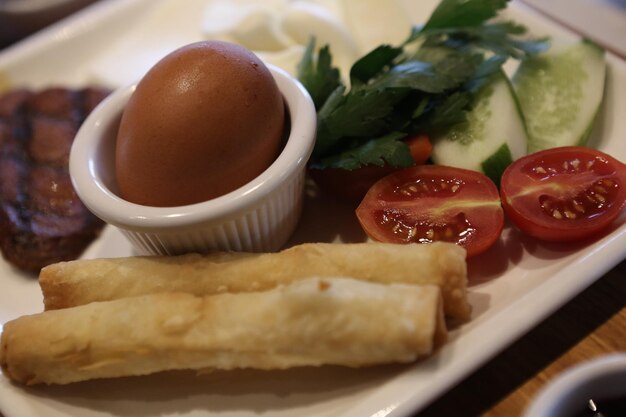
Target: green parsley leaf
319, 77
462, 13
501, 38
388, 149
446, 112
360, 113
450, 72
372, 64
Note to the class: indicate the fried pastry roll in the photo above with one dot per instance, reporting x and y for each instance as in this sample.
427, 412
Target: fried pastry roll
79, 282
339, 321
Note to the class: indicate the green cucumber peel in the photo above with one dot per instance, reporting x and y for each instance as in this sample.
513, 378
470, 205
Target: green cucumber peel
494, 165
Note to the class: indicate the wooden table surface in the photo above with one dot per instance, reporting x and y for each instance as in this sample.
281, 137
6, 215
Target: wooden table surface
590, 325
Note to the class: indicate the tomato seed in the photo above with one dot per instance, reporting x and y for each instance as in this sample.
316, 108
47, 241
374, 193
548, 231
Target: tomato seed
424, 187
570, 214
588, 202
578, 206
458, 230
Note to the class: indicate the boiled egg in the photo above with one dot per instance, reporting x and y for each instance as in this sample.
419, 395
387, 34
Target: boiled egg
204, 121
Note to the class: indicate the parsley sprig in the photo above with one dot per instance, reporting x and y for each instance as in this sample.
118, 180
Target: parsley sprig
423, 85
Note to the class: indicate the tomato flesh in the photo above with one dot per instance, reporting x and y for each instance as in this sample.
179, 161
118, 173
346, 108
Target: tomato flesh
349, 186
420, 147
564, 194
430, 203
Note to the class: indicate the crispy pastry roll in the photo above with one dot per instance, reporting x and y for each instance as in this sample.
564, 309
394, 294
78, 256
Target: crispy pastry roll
311, 322
79, 282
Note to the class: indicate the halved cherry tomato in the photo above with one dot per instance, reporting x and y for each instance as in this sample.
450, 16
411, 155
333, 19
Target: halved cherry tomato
352, 185
431, 203
564, 194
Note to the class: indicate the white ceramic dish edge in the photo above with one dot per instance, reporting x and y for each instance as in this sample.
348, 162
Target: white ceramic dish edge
603, 377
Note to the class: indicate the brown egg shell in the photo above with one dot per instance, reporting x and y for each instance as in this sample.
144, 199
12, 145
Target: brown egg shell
205, 120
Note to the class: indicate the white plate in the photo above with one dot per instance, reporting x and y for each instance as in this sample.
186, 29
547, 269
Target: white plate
513, 287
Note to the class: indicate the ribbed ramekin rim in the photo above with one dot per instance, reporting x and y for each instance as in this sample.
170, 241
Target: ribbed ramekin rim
104, 203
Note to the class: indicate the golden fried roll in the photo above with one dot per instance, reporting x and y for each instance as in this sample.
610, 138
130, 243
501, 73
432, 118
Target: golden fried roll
312, 322
79, 282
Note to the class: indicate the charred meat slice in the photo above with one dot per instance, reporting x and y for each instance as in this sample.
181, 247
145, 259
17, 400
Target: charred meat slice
42, 220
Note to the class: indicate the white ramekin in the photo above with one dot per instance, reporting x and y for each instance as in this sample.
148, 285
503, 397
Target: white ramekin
259, 216
598, 379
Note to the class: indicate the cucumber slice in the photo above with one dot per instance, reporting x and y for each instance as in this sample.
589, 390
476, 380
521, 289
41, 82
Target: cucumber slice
493, 136
560, 93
